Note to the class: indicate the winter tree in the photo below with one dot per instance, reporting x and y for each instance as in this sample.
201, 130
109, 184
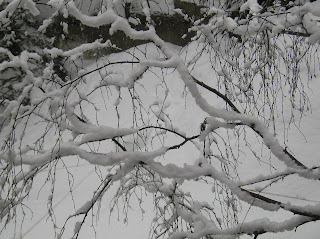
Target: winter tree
166, 100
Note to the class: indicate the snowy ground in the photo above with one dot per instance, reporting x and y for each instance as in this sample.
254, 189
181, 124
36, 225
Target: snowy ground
303, 142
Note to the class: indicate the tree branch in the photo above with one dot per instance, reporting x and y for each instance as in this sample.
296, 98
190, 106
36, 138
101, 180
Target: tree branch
229, 102
218, 93
185, 141
120, 145
285, 207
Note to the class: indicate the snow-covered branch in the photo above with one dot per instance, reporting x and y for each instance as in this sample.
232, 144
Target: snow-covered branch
190, 125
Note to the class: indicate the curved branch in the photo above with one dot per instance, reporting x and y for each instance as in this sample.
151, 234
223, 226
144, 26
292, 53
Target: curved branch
252, 126
87, 208
99, 68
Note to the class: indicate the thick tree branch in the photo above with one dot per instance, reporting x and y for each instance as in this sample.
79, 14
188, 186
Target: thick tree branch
229, 102
120, 145
299, 34
283, 206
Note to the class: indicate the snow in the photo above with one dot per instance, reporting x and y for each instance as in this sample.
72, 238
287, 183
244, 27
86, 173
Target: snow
105, 18
252, 5
31, 6
9, 10
179, 103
